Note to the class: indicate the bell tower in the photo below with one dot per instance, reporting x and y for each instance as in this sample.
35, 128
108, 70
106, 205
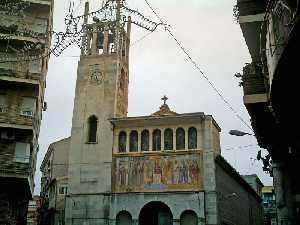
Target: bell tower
101, 93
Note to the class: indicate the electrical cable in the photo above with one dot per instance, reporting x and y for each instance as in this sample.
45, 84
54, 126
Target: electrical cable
197, 67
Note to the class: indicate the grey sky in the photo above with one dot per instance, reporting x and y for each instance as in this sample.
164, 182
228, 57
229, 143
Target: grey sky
158, 67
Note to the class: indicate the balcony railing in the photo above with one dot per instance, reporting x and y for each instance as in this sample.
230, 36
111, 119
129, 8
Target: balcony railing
15, 73
10, 165
14, 117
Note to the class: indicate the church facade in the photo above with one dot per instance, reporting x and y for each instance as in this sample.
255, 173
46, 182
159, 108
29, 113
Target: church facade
161, 169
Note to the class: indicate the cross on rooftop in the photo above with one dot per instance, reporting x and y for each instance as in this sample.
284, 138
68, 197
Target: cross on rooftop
165, 98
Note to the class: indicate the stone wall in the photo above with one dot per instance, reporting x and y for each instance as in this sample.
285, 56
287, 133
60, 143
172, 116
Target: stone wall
177, 202
236, 203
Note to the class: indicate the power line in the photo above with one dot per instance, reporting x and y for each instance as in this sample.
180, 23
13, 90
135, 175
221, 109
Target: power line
141, 39
199, 69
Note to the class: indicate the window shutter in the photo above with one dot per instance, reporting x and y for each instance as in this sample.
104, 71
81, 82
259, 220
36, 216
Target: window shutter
22, 152
28, 106
27, 157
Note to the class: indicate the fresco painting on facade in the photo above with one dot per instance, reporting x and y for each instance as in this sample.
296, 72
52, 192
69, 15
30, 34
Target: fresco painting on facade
158, 173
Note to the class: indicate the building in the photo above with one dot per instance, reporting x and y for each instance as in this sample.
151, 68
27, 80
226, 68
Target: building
254, 181
33, 208
54, 181
165, 168
24, 38
270, 216
271, 31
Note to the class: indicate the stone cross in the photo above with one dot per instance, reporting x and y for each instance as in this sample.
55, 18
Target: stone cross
164, 99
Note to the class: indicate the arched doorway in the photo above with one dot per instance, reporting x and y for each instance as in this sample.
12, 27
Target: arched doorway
124, 218
188, 217
156, 213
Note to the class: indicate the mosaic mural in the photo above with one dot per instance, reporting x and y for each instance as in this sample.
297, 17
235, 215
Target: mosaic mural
158, 173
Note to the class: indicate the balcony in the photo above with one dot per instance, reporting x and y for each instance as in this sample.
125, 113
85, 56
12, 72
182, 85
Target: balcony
11, 165
42, 2
254, 84
24, 72
13, 119
280, 22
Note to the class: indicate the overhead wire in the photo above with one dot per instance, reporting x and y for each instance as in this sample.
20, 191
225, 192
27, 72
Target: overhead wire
197, 67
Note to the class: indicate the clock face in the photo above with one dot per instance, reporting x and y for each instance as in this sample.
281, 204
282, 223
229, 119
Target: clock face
96, 76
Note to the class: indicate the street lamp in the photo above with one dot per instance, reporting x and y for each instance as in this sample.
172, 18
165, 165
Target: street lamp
239, 133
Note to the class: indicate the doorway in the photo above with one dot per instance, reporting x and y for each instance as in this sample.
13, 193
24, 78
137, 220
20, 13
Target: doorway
156, 213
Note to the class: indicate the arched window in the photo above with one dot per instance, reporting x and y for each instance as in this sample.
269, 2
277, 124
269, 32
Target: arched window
192, 138
145, 141
168, 139
92, 129
188, 217
122, 141
133, 142
180, 139
124, 218
156, 140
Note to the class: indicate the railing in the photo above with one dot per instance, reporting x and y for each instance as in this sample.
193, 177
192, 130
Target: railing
30, 27
10, 116
280, 23
9, 164
14, 72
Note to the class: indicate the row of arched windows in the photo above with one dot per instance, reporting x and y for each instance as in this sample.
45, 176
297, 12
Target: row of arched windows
156, 140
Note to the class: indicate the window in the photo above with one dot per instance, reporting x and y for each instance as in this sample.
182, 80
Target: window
3, 105
22, 152
35, 66
62, 190
92, 129
122, 141
133, 141
192, 138
156, 140
145, 140
168, 135
180, 139
28, 107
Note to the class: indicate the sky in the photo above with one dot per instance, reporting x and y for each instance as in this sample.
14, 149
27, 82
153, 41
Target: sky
158, 67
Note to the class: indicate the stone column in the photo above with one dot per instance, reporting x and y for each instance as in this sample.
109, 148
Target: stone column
105, 41
150, 140
186, 138
127, 140
209, 176
174, 138
139, 140
88, 43
162, 139
284, 197
94, 41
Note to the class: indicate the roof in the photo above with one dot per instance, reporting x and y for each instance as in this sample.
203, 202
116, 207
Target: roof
163, 119
164, 110
254, 176
49, 151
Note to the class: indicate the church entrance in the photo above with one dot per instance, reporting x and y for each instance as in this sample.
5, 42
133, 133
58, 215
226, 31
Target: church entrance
156, 213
